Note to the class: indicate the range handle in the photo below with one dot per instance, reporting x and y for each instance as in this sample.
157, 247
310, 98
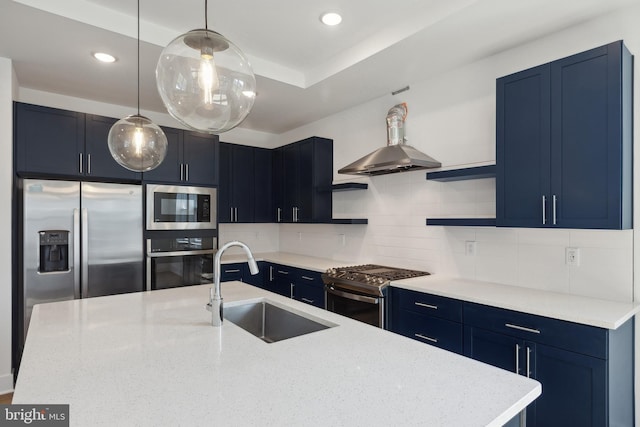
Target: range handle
354, 297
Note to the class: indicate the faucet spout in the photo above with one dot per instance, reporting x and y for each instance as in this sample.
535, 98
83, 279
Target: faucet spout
215, 305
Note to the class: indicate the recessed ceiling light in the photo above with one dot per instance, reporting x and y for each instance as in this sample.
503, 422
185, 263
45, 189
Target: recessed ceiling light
331, 19
104, 57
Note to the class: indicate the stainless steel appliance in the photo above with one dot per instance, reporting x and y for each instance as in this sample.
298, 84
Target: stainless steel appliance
178, 207
359, 291
179, 261
80, 239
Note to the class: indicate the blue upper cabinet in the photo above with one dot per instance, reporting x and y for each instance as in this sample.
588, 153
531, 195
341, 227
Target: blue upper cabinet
67, 144
564, 143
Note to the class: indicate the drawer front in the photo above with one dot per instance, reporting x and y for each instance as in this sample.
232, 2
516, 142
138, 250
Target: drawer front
309, 294
575, 337
428, 304
229, 272
311, 278
431, 330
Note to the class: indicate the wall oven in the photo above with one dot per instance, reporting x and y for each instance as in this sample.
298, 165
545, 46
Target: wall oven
360, 291
178, 207
179, 261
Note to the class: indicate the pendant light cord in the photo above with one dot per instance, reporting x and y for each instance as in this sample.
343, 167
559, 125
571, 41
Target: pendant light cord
138, 57
206, 22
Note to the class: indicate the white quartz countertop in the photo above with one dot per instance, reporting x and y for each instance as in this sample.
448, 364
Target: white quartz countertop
153, 359
294, 260
572, 308
588, 311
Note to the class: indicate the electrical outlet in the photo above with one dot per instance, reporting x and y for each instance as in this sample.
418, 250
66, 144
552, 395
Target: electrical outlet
343, 239
572, 256
470, 248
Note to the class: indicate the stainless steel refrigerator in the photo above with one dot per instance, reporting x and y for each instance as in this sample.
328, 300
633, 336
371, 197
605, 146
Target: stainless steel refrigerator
80, 239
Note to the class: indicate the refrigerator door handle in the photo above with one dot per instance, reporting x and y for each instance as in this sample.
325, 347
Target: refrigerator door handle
76, 253
85, 253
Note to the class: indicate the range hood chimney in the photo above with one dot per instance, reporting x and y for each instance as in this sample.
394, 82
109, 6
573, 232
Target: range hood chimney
396, 156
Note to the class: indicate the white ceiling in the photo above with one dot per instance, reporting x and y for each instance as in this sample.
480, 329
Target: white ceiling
305, 70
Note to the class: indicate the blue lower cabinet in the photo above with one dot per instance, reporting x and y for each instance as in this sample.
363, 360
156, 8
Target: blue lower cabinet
308, 287
296, 283
584, 383
427, 318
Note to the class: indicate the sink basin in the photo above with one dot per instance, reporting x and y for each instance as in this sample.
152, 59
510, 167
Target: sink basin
270, 322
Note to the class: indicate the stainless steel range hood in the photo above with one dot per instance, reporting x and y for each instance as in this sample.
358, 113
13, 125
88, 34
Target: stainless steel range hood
396, 156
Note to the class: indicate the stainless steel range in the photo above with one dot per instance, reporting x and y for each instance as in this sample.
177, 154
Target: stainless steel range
359, 291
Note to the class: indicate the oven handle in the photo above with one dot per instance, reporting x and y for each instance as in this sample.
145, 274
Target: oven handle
180, 253
355, 297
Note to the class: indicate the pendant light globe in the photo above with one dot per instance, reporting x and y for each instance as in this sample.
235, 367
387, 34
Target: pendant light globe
205, 81
137, 143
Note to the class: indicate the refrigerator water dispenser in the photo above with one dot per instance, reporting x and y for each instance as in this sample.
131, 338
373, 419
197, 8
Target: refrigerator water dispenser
54, 251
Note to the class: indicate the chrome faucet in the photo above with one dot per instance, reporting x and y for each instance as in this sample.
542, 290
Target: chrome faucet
215, 299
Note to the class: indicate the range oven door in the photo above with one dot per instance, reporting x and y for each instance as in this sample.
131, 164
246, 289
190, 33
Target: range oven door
365, 308
176, 207
191, 263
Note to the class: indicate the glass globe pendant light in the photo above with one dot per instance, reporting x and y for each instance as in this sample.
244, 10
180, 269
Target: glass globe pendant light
135, 142
205, 81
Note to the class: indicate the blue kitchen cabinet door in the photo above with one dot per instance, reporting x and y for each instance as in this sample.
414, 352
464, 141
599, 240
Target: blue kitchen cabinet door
225, 189
255, 279
278, 279
506, 352
48, 141
564, 143
591, 153
200, 155
242, 183
170, 170
263, 209
99, 163
574, 389
277, 184
291, 182
523, 174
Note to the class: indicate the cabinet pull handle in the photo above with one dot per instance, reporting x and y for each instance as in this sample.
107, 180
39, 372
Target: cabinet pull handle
80, 162
554, 209
308, 301
528, 362
307, 278
518, 359
186, 173
236, 213
279, 214
232, 271
291, 287
271, 273
544, 210
230, 214
283, 272
88, 164
421, 304
424, 337
181, 171
522, 328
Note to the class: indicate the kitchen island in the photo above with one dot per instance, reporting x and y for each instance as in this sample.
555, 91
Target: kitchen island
152, 358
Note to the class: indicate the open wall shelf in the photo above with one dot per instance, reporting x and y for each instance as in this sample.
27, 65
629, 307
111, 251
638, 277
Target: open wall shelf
477, 172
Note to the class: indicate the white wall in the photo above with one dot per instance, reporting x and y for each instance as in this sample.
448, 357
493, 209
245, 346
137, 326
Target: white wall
7, 80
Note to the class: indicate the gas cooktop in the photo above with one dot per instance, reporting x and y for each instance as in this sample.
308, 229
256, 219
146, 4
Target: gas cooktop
370, 276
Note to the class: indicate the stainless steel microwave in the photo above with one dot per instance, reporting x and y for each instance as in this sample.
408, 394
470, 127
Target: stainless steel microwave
178, 207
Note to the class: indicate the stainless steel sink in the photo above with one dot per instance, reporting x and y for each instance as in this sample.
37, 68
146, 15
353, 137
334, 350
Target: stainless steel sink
270, 322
